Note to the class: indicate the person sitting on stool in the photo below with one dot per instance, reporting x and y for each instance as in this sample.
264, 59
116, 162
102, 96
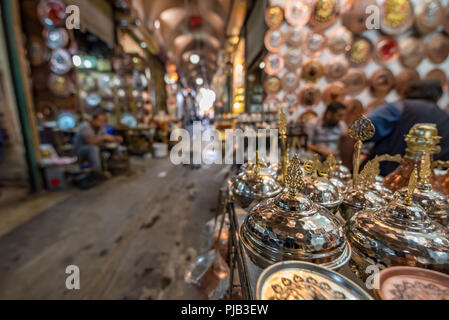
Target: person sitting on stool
88, 140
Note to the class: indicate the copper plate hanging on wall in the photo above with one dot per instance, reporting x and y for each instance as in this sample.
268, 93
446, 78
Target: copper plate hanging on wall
429, 15
339, 40
411, 52
297, 12
290, 81
309, 96
274, 40
334, 92
355, 18
293, 59
361, 52
386, 50
274, 63
336, 69
324, 14
404, 78
446, 19
396, 16
295, 36
60, 86
60, 61
37, 51
291, 100
51, 13
355, 81
439, 75
274, 16
438, 48
56, 38
271, 104
272, 85
382, 81
314, 43
312, 70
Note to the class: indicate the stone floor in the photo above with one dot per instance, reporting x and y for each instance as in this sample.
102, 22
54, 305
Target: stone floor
131, 237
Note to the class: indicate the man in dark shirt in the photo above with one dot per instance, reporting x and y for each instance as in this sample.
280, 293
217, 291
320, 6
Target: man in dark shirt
89, 137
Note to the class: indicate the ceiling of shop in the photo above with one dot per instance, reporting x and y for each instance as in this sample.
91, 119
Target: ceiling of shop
184, 27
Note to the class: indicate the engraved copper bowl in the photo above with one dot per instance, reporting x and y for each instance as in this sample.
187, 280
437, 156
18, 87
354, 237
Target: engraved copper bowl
294, 228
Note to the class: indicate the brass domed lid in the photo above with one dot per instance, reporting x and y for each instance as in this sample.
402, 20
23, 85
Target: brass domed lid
252, 186
400, 234
423, 137
292, 227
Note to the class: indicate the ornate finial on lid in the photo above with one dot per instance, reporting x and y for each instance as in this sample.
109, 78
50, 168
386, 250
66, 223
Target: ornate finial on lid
426, 168
294, 178
314, 167
368, 174
329, 165
411, 187
361, 130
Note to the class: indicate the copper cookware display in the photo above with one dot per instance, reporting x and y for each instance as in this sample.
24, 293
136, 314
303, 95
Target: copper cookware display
324, 14
295, 36
294, 280
293, 59
336, 69
37, 52
298, 12
410, 283
355, 18
339, 40
274, 63
438, 75
397, 16
334, 92
290, 81
429, 15
401, 234
382, 81
61, 86
280, 228
360, 52
411, 52
314, 43
51, 13
386, 50
272, 85
312, 70
309, 96
60, 61
56, 38
274, 16
404, 78
438, 48
355, 81
274, 40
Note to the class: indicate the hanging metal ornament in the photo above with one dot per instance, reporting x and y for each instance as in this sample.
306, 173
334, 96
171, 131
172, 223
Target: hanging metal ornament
396, 16
411, 52
355, 81
298, 12
274, 40
382, 81
60, 61
324, 14
60, 86
51, 13
336, 69
37, 51
429, 15
293, 59
272, 85
404, 78
312, 70
356, 17
295, 36
360, 53
56, 38
274, 16
274, 63
386, 50
315, 43
290, 81
438, 48
339, 40
309, 96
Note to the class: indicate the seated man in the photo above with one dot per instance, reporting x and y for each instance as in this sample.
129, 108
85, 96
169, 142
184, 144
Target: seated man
324, 133
88, 140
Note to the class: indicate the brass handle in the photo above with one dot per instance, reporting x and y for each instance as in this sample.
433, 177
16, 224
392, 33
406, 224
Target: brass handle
439, 163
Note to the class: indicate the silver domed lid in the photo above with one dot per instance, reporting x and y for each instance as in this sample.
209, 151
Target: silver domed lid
400, 234
251, 187
292, 227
